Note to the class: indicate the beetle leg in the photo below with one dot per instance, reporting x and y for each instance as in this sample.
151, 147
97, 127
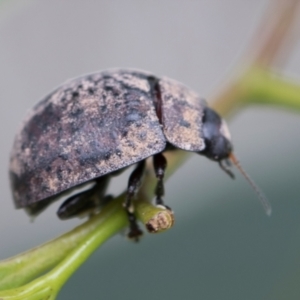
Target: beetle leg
84, 202
226, 168
134, 183
160, 165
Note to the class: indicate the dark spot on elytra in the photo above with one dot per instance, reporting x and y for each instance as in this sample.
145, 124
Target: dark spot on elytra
132, 96
118, 104
131, 144
113, 135
59, 174
135, 113
101, 123
184, 123
74, 127
142, 135
119, 152
96, 153
107, 155
103, 108
60, 132
124, 132
90, 78
76, 111
184, 103
64, 156
93, 144
93, 156
44, 187
133, 116
75, 94
112, 89
91, 91
106, 76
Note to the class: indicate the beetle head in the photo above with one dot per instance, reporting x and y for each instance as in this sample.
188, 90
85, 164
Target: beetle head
217, 138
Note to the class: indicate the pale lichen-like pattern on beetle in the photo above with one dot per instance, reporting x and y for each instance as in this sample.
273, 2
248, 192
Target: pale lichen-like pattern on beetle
96, 124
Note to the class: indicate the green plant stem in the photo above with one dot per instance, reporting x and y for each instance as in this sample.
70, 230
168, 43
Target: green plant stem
36, 261
101, 227
113, 219
24, 267
258, 86
270, 88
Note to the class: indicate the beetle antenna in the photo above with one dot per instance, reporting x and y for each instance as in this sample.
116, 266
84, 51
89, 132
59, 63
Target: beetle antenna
262, 198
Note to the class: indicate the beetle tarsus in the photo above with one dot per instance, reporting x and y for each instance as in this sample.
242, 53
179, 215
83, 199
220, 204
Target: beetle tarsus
134, 230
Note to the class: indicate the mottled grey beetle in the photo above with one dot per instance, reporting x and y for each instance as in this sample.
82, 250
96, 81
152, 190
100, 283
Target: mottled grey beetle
94, 126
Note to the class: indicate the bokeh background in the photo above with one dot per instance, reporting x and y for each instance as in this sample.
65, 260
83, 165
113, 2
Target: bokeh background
222, 245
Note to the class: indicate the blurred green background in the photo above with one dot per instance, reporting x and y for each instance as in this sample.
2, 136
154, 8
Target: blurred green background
222, 245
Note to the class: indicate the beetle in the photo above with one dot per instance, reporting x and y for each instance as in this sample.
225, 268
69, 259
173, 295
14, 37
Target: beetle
95, 126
